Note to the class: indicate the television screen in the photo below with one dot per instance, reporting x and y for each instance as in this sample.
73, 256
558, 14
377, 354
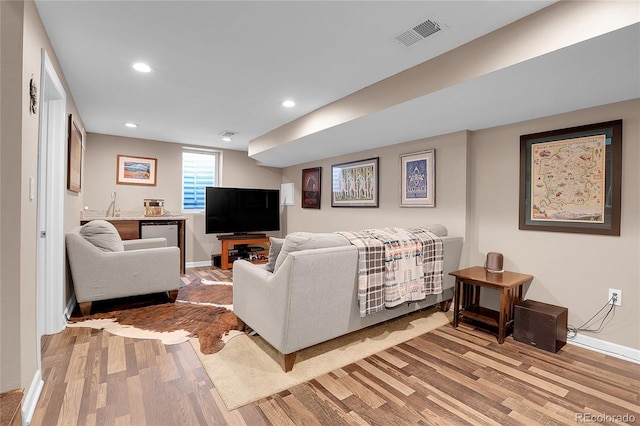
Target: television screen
241, 210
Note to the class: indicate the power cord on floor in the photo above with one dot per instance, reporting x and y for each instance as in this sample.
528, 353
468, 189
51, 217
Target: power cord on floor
572, 332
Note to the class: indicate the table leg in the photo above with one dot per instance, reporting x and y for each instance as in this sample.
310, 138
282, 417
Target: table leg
456, 303
520, 291
476, 295
504, 304
224, 259
468, 290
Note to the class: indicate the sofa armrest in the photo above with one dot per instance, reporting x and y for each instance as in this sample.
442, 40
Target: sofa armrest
261, 299
144, 243
295, 307
452, 250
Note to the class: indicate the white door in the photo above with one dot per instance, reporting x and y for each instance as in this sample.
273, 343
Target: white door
50, 193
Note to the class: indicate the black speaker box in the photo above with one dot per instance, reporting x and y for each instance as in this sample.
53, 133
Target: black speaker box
216, 260
541, 325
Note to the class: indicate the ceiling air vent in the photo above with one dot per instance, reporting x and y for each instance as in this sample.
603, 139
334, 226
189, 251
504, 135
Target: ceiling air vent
227, 135
419, 32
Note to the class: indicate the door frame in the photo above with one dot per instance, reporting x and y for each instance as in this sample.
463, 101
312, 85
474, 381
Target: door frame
52, 148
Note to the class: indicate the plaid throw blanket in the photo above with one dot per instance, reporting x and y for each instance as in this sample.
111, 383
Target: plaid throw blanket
395, 266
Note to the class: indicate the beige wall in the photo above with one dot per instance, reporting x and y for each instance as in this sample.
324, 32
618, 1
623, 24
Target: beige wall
100, 173
238, 170
572, 270
23, 37
11, 16
451, 165
477, 195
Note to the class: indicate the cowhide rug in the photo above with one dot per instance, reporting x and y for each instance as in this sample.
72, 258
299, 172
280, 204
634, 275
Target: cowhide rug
203, 309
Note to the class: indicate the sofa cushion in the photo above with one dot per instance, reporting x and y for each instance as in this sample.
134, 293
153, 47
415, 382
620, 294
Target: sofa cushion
297, 241
103, 235
274, 251
439, 230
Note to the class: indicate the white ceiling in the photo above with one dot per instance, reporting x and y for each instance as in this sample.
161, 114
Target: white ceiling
227, 65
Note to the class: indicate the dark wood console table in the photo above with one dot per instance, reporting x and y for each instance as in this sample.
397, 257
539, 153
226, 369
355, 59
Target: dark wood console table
469, 281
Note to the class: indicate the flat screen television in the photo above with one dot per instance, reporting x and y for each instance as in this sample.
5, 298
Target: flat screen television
241, 210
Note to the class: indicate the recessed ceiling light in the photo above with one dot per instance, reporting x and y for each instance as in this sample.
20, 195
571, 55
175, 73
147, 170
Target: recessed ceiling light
131, 125
288, 103
142, 67
226, 139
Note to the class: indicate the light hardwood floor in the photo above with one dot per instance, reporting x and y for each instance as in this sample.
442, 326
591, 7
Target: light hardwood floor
446, 377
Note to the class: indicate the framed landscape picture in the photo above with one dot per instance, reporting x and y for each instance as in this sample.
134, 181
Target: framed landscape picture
136, 170
418, 179
311, 188
355, 184
571, 179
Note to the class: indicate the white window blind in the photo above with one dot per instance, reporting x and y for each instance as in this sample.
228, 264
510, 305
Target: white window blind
199, 170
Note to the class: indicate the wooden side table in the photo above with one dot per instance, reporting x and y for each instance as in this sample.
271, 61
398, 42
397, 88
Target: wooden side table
469, 281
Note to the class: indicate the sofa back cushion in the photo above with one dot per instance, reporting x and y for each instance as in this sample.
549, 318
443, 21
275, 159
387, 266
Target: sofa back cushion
439, 230
103, 235
297, 241
274, 251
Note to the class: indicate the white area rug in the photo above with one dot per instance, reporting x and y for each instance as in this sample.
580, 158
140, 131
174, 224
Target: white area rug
247, 368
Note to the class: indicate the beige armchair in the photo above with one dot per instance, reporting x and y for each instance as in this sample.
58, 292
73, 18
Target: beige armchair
105, 267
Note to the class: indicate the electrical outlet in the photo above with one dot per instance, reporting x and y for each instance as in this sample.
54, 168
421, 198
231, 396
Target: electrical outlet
615, 297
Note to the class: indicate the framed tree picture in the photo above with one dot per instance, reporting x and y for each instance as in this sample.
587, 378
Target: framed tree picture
418, 179
355, 184
571, 179
311, 186
136, 170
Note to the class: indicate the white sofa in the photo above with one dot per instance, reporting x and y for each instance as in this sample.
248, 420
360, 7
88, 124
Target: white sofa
105, 267
312, 295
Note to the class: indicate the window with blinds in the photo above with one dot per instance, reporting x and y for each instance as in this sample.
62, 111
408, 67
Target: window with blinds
199, 170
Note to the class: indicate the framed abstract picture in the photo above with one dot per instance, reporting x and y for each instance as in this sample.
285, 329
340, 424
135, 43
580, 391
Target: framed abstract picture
571, 179
136, 170
311, 188
418, 179
355, 184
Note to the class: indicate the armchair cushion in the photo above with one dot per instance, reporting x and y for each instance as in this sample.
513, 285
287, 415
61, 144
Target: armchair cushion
103, 235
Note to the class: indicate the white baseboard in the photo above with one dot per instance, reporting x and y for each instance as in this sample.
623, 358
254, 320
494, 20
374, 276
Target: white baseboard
198, 264
31, 398
608, 348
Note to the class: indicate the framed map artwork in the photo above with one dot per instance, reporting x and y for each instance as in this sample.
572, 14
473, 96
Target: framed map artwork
418, 179
570, 179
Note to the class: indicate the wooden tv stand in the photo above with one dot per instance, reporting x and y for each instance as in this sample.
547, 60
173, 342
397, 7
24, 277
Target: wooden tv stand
233, 240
